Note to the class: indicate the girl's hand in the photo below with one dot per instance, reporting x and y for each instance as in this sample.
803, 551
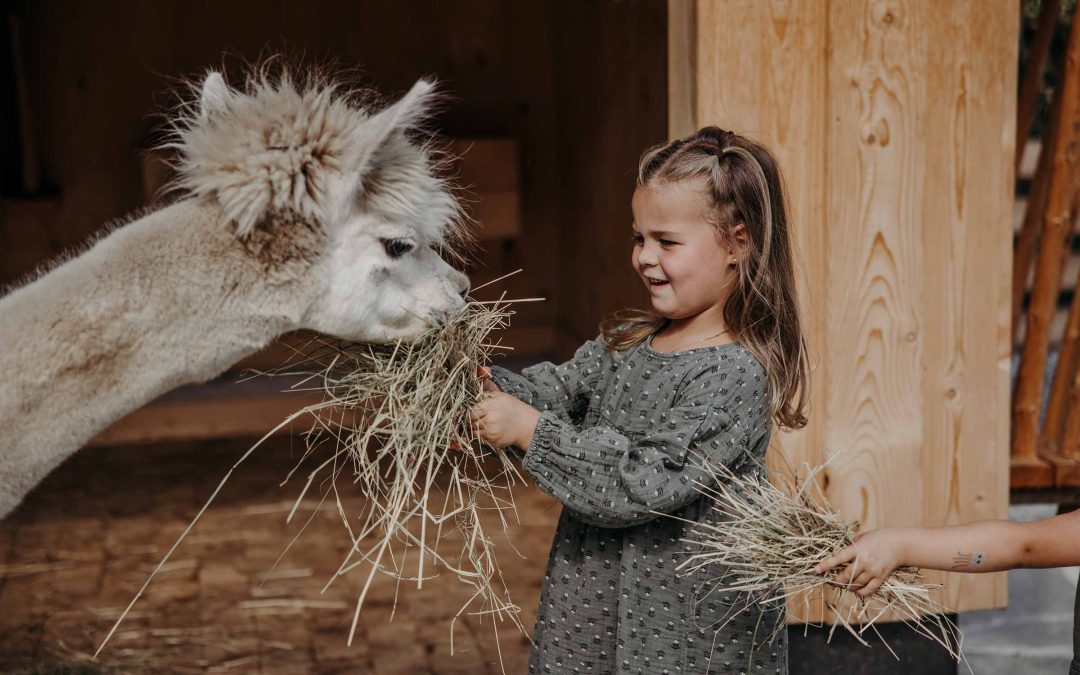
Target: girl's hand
870, 560
485, 379
503, 420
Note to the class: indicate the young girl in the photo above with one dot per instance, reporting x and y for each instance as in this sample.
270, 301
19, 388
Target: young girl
619, 432
985, 546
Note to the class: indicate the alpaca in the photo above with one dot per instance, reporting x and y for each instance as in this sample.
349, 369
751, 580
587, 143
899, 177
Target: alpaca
300, 208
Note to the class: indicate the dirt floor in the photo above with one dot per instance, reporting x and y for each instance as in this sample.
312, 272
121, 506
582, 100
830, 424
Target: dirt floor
74, 554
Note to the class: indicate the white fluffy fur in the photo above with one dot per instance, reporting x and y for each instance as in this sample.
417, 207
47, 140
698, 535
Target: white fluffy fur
290, 195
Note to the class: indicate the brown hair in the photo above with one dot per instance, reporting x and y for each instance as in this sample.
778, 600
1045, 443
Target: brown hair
745, 187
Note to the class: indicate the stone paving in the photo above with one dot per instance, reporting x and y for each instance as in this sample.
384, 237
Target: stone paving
74, 554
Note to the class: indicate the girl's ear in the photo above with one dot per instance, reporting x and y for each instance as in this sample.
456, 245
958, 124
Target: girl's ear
739, 240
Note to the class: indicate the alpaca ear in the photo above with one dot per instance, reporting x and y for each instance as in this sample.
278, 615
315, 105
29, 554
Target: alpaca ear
406, 113
214, 97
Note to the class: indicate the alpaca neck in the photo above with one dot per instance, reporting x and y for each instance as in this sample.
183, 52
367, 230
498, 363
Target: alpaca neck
167, 300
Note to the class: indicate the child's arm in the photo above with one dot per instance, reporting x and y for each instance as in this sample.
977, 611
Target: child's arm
561, 389
985, 546
611, 480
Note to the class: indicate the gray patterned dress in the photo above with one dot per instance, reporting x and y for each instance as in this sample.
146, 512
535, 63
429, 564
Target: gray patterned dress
621, 435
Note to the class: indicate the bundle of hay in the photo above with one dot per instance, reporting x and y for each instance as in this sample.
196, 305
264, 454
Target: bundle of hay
393, 420
769, 541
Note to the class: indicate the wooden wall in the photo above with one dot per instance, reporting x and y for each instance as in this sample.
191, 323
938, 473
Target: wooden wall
612, 105
894, 122
558, 81
581, 86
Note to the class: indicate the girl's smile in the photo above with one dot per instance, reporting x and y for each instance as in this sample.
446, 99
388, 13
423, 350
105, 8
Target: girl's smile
678, 254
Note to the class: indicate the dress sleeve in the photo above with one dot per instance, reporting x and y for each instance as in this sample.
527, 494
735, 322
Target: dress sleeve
611, 480
562, 390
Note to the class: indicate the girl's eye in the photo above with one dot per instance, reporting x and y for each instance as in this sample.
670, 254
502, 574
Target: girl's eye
667, 242
637, 238
395, 248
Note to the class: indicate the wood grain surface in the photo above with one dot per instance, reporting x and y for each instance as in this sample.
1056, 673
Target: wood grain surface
894, 123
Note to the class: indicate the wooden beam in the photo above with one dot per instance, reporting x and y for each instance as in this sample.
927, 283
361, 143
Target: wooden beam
31, 162
489, 169
199, 419
768, 80
1030, 472
682, 67
1068, 353
893, 123
1057, 227
1033, 73
1034, 207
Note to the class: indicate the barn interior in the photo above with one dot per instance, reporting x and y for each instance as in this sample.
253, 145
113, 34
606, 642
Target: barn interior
894, 122
548, 104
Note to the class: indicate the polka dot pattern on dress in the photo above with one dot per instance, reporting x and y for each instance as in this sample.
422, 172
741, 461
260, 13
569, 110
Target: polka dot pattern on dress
621, 437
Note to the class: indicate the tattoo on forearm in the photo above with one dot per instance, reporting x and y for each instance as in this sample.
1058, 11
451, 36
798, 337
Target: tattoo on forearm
973, 559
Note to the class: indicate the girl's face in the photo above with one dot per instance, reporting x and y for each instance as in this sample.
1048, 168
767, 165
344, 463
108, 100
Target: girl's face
677, 253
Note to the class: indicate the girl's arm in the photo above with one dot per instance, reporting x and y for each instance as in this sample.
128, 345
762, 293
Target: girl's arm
563, 389
609, 479
985, 546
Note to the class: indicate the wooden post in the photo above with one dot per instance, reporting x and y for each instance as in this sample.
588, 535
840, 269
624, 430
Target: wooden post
1068, 351
1070, 446
1033, 74
1056, 228
1033, 215
682, 67
892, 123
31, 165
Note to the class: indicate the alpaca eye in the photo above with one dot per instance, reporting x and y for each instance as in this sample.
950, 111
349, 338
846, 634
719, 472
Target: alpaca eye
395, 248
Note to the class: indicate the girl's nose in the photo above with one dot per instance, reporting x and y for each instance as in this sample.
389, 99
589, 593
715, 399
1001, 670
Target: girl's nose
646, 256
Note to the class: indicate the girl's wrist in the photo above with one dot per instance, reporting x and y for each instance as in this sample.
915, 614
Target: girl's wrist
529, 419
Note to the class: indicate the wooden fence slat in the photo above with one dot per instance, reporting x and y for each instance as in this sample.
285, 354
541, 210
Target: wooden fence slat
234, 417
1033, 73
1033, 215
893, 123
1057, 406
1070, 446
770, 84
966, 231
682, 67
1056, 227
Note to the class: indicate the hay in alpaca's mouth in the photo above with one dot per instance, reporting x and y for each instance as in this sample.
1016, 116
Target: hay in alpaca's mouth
393, 420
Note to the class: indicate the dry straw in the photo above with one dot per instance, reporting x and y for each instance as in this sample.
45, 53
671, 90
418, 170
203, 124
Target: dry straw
392, 429
770, 538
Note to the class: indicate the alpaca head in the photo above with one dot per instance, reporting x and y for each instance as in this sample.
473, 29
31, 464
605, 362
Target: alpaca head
349, 192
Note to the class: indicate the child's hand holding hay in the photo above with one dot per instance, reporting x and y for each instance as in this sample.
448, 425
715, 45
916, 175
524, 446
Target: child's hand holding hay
983, 546
778, 542
867, 562
502, 420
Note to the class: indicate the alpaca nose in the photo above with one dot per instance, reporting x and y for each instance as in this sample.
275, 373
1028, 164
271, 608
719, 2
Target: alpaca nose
463, 285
